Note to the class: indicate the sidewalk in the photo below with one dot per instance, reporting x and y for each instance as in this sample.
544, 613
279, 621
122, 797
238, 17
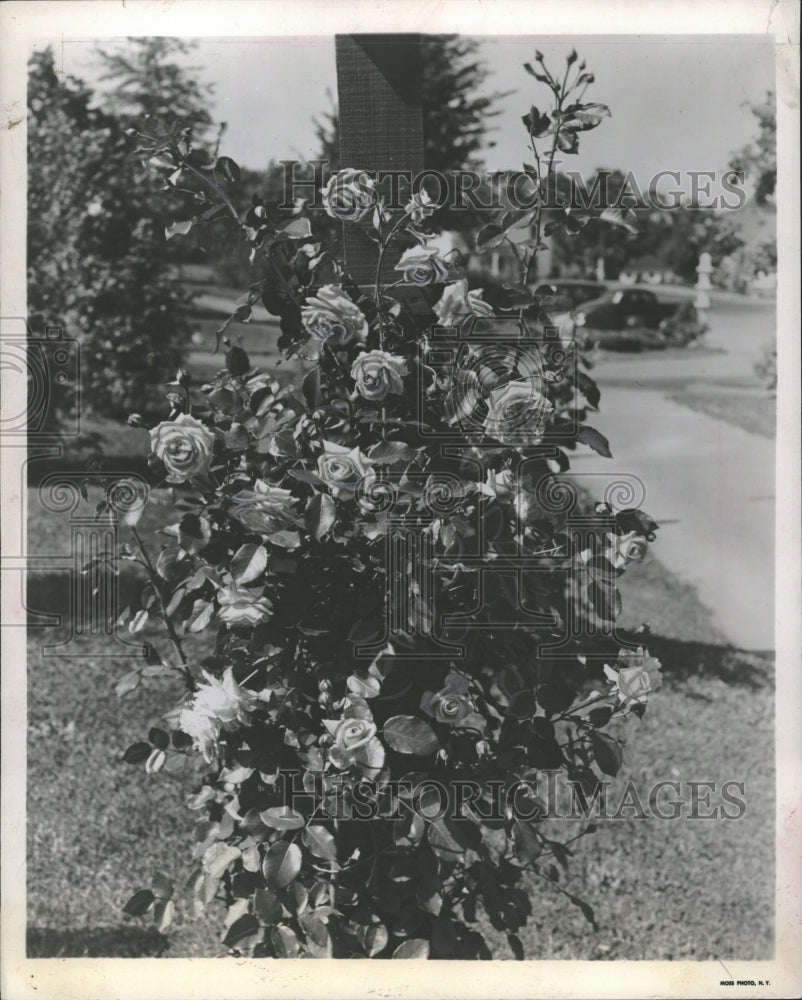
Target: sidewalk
710, 486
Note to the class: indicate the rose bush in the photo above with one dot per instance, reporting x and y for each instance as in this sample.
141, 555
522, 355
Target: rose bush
397, 596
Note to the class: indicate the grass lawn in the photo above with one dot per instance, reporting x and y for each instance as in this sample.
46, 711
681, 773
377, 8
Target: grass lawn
754, 411
98, 828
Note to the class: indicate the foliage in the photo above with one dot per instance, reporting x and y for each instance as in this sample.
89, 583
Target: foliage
766, 366
144, 77
97, 259
390, 616
758, 159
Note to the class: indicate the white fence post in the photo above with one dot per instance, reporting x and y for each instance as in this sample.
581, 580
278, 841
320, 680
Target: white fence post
703, 286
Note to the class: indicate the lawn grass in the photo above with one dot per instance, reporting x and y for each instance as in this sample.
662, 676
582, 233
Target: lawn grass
754, 411
98, 828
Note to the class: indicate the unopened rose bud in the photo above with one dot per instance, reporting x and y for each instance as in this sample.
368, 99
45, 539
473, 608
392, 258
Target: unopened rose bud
183, 377
237, 361
135, 420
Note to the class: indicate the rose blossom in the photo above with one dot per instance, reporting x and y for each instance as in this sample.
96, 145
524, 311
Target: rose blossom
240, 606
517, 413
457, 303
264, 509
184, 445
451, 703
354, 742
378, 373
626, 548
422, 266
225, 700
217, 705
343, 470
420, 206
205, 732
349, 195
638, 677
330, 316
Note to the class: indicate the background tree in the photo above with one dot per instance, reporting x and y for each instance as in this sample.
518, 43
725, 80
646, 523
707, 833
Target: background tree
758, 159
98, 262
145, 77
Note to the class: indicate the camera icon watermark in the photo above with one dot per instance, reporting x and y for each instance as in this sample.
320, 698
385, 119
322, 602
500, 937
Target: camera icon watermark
49, 363
493, 376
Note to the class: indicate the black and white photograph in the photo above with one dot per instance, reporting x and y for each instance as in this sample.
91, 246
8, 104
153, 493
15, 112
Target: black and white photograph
400, 471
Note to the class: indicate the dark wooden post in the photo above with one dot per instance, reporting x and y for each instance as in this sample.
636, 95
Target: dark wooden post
381, 123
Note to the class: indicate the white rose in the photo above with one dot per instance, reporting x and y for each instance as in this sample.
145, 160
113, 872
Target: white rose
330, 316
349, 195
457, 303
224, 700
205, 732
343, 470
216, 705
264, 509
638, 677
627, 548
420, 206
354, 742
239, 606
452, 703
378, 373
184, 445
422, 266
517, 413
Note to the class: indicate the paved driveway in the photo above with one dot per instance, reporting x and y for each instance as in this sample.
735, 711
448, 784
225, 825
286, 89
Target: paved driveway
709, 484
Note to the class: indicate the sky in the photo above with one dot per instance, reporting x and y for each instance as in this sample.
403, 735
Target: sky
677, 102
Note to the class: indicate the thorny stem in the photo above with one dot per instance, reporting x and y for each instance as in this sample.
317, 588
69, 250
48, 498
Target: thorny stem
154, 579
377, 282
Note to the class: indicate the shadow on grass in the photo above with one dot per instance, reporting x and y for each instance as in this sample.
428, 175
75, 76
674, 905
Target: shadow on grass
96, 942
682, 660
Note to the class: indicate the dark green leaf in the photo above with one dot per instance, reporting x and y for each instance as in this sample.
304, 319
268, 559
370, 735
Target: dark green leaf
373, 938
282, 818
285, 941
139, 903
137, 753
320, 515
282, 863
159, 738
320, 842
318, 940
414, 948
229, 169
607, 752
516, 947
598, 442
249, 562
247, 926
267, 906
406, 734
489, 237
555, 697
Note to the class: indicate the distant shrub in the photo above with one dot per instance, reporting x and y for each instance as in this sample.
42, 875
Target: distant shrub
97, 255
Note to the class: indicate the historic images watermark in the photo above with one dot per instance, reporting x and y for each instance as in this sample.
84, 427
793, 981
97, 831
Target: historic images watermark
470, 190
544, 795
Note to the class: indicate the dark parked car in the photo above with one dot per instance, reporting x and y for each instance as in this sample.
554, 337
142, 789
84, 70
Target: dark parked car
565, 294
623, 308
